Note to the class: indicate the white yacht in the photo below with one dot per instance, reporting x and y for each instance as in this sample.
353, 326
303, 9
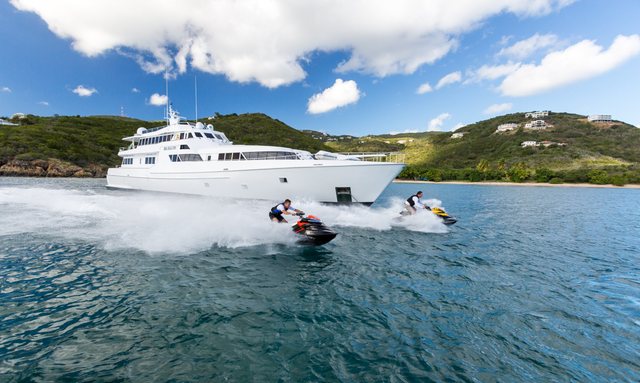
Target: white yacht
196, 159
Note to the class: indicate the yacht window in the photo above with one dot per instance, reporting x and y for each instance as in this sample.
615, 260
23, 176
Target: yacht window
220, 156
190, 157
127, 161
219, 137
208, 158
270, 156
236, 156
227, 156
190, 135
198, 135
209, 135
149, 160
154, 140
184, 146
182, 136
174, 158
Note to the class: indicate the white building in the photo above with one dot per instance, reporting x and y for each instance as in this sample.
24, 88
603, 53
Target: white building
457, 135
536, 125
540, 114
600, 118
507, 127
5, 122
19, 115
528, 144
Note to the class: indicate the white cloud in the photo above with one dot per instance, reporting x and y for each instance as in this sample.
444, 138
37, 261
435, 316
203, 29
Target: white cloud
498, 108
492, 72
135, 90
339, 94
395, 132
458, 126
449, 79
158, 99
578, 62
424, 88
83, 91
268, 41
437, 123
525, 48
43, 103
5, 89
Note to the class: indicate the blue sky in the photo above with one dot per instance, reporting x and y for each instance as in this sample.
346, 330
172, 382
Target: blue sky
587, 52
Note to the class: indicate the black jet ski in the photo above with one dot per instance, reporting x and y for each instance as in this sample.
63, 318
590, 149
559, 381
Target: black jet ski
312, 231
439, 212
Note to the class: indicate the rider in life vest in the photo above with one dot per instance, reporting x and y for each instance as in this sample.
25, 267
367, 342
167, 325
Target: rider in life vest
276, 212
414, 202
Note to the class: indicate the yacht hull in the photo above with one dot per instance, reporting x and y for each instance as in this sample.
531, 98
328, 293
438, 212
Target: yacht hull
322, 181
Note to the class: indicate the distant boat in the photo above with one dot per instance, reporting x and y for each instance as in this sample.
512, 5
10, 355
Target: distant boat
196, 159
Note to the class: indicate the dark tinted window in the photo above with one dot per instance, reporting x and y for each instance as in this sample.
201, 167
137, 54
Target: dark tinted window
198, 135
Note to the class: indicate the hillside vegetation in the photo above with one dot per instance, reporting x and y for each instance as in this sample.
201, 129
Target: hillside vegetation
88, 146
594, 152
597, 153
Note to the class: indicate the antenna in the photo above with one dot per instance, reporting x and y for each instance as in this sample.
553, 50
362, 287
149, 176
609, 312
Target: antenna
166, 90
195, 79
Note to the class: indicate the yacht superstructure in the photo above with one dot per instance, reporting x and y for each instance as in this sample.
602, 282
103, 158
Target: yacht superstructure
196, 159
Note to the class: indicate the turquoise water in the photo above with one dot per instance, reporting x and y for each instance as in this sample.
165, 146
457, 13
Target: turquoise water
532, 284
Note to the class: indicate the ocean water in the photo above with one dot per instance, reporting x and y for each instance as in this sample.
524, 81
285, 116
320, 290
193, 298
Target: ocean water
532, 284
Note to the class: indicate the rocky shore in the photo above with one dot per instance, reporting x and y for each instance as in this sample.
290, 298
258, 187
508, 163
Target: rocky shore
50, 168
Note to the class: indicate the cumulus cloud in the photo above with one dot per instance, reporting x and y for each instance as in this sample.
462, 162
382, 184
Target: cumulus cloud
498, 108
525, 48
43, 103
449, 79
341, 93
437, 123
578, 62
135, 90
492, 72
157, 99
268, 41
424, 88
5, 89
83, 91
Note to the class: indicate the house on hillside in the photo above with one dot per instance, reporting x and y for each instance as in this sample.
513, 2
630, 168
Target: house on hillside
536, 125
539, 114
529, 144
7, 123
507, 127
600, 118
457, 135
19, 116
402, 142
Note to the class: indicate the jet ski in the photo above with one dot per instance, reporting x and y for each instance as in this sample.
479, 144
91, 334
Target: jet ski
446, 218
439, 212
312, 231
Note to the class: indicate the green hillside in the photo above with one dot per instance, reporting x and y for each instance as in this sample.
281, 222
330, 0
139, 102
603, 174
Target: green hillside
590, 152
87, 146
597, 153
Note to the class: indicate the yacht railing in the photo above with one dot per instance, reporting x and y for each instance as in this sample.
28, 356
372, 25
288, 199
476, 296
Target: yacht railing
396, 157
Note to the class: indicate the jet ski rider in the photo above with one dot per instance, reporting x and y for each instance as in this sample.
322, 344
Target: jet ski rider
282, 208
415, 202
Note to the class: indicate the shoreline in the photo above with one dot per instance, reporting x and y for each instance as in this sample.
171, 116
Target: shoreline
530, 184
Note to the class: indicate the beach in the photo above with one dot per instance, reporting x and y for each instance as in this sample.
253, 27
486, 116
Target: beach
496, 183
